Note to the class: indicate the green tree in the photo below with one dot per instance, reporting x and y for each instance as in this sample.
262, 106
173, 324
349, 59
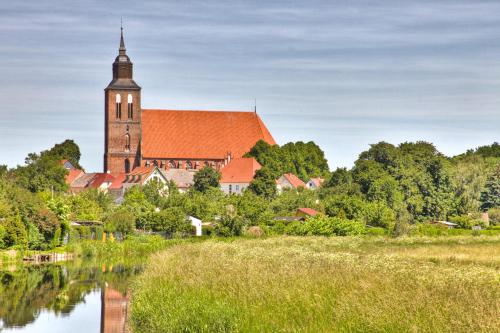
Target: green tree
264, 184
206, 178
120, 221
490, 197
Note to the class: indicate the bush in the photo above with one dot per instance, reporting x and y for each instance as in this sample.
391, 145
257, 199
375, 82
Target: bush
321, 225
376, 231
296, 228
171, 220
465, 221
494, 215
229, 226
120, 221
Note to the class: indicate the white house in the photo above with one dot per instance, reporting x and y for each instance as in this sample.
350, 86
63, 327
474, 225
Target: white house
238, 174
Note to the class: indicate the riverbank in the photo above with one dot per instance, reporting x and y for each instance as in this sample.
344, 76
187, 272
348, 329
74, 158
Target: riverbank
317, 284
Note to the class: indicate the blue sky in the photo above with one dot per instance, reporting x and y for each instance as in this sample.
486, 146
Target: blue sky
341, 73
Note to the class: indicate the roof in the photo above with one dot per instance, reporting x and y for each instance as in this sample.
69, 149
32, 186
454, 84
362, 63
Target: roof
308, 211
240, 170
317, 181
451, 224
181, 177
118, 181
101, 178
72, 175
295, 181
83, 181
200, 134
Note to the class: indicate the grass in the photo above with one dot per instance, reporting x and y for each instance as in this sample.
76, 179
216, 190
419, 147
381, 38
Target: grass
315, 284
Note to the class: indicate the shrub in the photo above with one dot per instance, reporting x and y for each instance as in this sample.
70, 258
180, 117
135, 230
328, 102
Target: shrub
494, 214
321, 225
229, 226
296, 228
465, 221
171, 220
121, 221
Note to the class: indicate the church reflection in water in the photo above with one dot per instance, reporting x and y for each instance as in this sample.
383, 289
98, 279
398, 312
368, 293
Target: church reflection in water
114, 311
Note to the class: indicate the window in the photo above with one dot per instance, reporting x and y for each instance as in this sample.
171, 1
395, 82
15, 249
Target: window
127, 141
237, 188
130, 107
230, 188
155, 163
118, 106
171, 164
189, 165
127, 166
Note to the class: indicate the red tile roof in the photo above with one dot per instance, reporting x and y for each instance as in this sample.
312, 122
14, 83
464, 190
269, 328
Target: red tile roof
308, 211
240, 170
101, 178
118, 181
200, 134
295, 181
72, 175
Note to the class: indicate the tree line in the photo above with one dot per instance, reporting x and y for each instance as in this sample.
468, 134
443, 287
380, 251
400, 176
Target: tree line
390, 188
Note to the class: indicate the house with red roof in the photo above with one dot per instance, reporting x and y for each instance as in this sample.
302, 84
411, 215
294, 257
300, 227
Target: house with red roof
289, 181
170, 139
306, 212
238, 174
314, 183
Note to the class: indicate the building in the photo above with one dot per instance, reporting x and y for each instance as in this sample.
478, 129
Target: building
169, 139
238, 174
306, 212
314, 183
289, 181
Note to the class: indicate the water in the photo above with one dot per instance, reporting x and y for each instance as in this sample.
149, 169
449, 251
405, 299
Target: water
65, 297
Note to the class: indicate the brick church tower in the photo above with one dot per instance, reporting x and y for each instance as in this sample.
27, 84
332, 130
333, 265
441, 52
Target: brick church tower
122, 112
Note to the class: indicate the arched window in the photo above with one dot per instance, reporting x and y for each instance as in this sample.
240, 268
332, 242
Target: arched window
171, 164
155, 163
189, 165
130, 107
118, 106
127, 166
127, 141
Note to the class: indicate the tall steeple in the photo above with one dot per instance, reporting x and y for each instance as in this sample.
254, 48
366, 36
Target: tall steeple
123, 68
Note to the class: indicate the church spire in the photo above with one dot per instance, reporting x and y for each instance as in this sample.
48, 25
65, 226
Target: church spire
122, 49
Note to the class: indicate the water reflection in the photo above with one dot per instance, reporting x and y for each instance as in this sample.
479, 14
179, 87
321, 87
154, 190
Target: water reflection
56, 297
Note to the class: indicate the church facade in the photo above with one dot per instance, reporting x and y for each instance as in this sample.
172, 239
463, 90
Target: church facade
170, 139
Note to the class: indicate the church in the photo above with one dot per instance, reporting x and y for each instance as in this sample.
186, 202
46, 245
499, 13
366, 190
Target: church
170, 139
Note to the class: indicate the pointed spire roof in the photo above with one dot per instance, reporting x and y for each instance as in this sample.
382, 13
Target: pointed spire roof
122, 50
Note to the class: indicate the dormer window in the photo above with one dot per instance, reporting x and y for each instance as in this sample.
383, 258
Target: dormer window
118, 106
130, 106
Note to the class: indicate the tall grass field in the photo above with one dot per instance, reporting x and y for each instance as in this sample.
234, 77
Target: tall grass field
315, 284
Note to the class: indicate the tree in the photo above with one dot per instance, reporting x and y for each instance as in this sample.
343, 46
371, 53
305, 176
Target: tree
490, 197
44, 171
120, 221
264, 183
170, 220
206, 178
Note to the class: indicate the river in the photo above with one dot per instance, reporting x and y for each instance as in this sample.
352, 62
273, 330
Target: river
73, 296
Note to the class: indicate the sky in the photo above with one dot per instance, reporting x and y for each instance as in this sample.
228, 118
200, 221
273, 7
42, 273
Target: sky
344, 74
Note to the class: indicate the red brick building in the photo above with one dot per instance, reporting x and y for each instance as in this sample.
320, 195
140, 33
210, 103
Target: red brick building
170, 139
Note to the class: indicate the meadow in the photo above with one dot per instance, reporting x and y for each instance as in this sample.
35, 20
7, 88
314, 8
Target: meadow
319, 284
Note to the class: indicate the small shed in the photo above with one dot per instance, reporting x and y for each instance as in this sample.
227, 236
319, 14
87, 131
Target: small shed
449, 225
197, 224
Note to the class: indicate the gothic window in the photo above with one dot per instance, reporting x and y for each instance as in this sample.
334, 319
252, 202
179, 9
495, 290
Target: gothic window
130, 107
189, 165
127, 166
207, 164
118, 106
127, 141
171, 164
155, 163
